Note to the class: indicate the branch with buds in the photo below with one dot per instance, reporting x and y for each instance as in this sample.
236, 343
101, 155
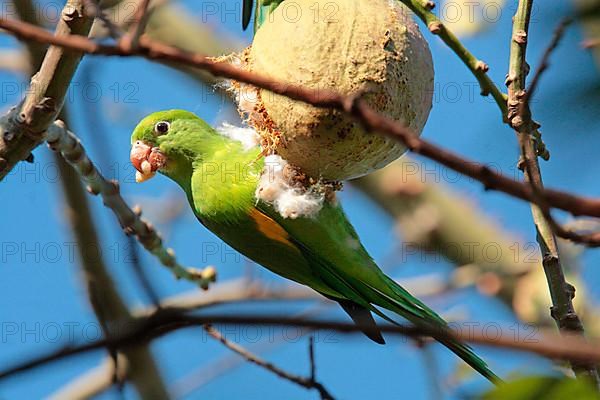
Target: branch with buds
68, 145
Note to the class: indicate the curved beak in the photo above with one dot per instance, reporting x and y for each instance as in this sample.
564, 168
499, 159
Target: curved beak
146, 160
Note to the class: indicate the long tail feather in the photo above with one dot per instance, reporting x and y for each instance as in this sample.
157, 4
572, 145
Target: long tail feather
429, 320
362, 317
385, 293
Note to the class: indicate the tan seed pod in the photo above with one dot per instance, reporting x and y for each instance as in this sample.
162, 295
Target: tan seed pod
368, 46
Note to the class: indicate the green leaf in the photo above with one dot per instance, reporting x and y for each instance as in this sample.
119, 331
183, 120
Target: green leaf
543, 387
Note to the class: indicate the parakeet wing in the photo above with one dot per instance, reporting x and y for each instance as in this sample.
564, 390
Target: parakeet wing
262, 239
331, 244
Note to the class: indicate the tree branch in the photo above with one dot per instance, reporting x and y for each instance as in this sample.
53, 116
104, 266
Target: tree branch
138, 25
103, 296
588, 239
162, 322
93, 10
92, 382
520, 119
373, 121
100, 378
23, 127
65, 142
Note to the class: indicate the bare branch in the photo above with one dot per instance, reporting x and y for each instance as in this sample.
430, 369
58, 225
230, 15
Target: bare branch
519, 115
588, 239
138, 25
103, 296
93, 382
566, 347
590, 43
93, 10
100, 378
23, 127
545, 60
375, 122
65, 142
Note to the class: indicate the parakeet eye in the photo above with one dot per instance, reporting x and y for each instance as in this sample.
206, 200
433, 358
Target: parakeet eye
162, 127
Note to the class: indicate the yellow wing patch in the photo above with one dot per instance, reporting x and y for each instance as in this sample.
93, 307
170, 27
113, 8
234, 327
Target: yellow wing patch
270, 228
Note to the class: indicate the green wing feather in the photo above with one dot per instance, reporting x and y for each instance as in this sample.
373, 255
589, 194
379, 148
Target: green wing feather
331, 243
262, 239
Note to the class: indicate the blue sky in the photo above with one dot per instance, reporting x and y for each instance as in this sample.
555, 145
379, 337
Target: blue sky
43, 300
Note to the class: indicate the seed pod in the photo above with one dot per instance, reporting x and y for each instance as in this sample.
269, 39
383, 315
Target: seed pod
350, 46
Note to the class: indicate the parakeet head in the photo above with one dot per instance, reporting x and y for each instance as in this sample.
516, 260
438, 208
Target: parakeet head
169, 142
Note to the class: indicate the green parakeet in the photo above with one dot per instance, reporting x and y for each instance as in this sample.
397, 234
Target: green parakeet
262, 11
220, 178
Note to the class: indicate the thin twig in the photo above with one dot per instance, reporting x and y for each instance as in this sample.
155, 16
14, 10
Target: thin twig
520, 119
98, 141
308, 383
545, 60
93, 10
373, 121
138, 25
230, 292
65, 142
311, 357
589, 239
195, 380
590, 43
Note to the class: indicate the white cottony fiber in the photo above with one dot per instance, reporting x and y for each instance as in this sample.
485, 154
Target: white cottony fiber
246, 135
273, 187
246, 96
293, 204
288, 201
